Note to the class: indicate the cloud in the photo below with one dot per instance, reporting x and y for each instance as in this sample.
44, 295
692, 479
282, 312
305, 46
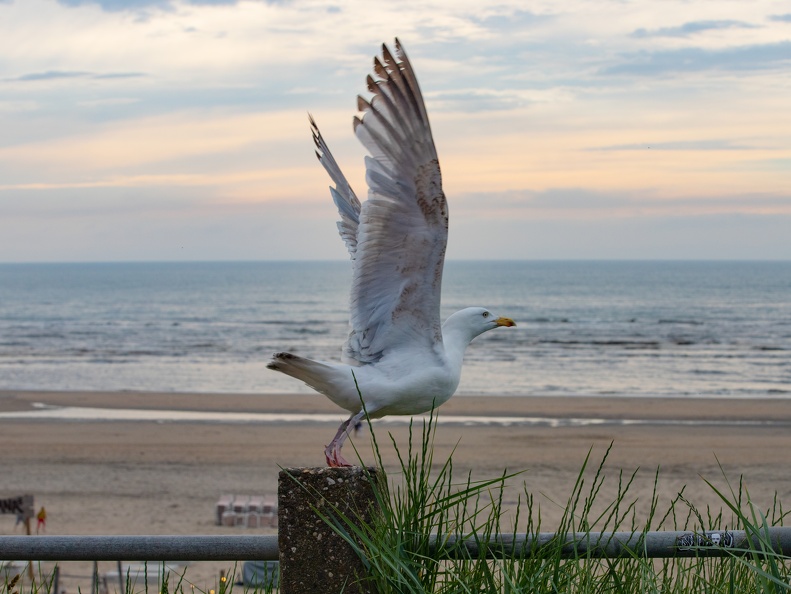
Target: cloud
586, 204
679, 145
219, 156
509, 20
89, 224
108, 101
475, 100
138, 5
759, 57
108, 223
118, 5
781, 18
71, 74
768, 165
48, 75
111, 75
715, 236
692, 28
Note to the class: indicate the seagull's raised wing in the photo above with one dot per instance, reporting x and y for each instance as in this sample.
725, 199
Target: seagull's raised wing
403, 226
342, 194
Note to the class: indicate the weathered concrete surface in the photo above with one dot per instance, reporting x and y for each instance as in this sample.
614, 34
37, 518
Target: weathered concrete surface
313, 558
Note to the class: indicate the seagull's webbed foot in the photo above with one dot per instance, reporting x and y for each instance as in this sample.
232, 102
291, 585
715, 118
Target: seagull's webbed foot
334, 459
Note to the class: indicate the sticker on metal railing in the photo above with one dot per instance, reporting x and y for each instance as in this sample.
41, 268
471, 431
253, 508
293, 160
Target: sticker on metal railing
706, 539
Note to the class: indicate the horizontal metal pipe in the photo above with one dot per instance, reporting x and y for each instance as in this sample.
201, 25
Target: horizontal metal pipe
660, 544
265, 547
140, 548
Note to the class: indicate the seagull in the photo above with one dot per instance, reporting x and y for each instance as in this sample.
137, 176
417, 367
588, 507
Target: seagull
399, 359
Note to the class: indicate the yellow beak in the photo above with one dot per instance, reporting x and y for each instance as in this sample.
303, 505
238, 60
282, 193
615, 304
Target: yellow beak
505, 322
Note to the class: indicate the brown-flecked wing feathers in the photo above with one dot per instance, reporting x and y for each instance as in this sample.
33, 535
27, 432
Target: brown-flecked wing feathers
403, 226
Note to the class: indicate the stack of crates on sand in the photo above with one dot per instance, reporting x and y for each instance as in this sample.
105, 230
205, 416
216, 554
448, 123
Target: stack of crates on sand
248, 511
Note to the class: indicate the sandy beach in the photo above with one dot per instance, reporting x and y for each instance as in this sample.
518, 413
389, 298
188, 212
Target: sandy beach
164, 477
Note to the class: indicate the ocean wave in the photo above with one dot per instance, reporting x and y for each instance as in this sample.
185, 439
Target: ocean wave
313, 331
547, 321
214, 346
43, 335
629, 344
299, 323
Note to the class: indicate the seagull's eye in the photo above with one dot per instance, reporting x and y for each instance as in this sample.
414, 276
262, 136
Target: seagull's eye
486, 314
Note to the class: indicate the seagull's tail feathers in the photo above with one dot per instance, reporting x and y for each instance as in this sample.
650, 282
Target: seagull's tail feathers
315, 374
343, 196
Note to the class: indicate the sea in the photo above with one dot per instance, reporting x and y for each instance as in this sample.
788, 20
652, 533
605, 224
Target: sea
584, 328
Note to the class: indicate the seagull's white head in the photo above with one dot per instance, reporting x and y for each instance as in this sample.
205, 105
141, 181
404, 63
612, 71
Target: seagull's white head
474, 321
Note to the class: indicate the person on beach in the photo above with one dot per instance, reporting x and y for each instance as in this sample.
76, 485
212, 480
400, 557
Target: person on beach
42, 520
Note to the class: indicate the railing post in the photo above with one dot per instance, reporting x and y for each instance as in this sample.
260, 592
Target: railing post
314, 558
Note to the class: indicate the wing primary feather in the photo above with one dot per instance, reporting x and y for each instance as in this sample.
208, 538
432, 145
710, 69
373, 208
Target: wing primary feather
384, 113
383, 103
343, 195
386, 137
379, 68
409, 75
399, 73
389, 87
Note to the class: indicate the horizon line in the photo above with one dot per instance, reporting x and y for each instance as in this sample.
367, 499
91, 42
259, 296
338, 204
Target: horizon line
339, 260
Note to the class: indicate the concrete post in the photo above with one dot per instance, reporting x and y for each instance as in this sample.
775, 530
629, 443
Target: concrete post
313, 558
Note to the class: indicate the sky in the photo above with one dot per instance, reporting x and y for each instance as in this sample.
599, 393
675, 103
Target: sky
609, 129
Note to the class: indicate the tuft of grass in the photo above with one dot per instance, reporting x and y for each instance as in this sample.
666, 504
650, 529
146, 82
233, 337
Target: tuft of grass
136, 583
434, 533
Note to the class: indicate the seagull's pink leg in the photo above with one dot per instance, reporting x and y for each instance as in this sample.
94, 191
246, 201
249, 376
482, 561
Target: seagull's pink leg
333, 451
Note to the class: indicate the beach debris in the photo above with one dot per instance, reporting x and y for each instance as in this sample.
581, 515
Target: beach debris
246, 511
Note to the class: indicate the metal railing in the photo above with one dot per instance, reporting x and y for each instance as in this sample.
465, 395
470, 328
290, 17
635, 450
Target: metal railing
140, 548
265, 547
